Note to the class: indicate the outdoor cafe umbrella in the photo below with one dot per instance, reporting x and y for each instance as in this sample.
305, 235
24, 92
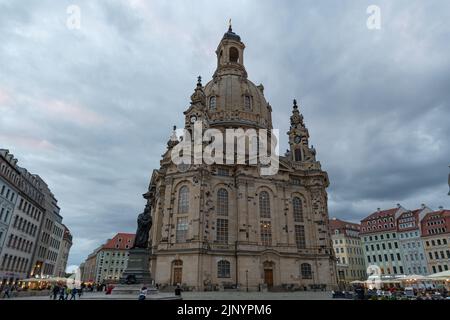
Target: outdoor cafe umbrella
30, 280
445, 275
357, 282
412, 277
54, 279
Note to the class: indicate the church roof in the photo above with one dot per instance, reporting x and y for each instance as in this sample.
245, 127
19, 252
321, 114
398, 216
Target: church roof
231, 35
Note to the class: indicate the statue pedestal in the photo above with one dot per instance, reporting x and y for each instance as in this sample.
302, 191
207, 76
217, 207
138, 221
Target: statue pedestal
137, 274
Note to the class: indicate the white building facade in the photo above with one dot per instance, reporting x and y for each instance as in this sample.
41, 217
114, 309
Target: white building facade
380, 241
409, 236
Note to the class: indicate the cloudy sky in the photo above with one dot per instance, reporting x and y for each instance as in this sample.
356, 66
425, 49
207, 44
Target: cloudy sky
90, 109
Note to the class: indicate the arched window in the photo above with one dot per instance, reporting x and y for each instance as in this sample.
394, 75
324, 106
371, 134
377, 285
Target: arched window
183, 200
212, 102
222, 202
234, 54
264, 204
305, 270
297, 207
266, 233
298, 154
247, 102
223, 269
222, 230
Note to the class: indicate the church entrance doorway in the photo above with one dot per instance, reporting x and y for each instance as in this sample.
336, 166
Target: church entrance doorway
268, 278
177, 272
268, 273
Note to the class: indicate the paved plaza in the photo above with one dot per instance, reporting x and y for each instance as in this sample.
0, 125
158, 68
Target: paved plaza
300, 295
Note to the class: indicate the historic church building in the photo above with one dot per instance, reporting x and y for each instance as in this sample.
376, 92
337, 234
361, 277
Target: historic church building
217, 226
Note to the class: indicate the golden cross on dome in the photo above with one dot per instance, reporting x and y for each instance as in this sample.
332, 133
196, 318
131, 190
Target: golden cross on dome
229, 24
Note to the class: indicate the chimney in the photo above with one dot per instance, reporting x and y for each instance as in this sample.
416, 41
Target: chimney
441, 208
378, 209
398, 205
423, 205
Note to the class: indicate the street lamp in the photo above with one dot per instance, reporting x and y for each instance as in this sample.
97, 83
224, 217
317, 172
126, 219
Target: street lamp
314, 280
246, 278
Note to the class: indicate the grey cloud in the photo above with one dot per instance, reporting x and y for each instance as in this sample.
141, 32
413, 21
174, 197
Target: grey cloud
90, 110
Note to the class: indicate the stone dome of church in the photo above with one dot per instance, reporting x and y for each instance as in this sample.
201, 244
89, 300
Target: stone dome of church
232, 99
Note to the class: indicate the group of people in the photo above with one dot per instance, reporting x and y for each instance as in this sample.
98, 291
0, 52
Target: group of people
144, 290
62, 292
362, 293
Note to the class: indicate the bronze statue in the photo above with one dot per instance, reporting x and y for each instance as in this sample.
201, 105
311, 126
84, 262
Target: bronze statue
144, 222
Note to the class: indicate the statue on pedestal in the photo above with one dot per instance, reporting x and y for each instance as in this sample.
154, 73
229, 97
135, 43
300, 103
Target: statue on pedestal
137, 274
144, 222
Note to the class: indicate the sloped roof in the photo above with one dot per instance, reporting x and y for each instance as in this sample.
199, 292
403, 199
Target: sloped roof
121, 241
381, 214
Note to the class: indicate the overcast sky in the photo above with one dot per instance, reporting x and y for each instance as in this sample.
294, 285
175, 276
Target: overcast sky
90, 109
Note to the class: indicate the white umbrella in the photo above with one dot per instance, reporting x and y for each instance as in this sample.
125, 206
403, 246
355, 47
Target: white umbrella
440, 275
357, 282
412, 277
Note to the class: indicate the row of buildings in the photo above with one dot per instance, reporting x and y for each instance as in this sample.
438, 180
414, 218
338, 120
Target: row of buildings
34, 242
107, 262
397, 240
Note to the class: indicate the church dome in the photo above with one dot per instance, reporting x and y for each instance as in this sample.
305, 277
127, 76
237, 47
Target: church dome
232, 99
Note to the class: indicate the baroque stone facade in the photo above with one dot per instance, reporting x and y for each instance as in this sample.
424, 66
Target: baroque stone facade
218, 225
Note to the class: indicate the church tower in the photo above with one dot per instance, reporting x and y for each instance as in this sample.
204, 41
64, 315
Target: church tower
227, 226
299, 138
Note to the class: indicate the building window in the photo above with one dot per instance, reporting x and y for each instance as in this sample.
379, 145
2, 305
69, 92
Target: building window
222, 230
182, 228
298, 209
223, 172
266, 233
300, 237
222, 202
223, 269
298, 154
183, 200
305, 270
247, 102
264, 204
234, 54
212, 102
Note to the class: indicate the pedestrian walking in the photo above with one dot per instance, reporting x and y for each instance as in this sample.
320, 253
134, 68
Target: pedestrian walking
73, 294
80, 292
6, 291
55, 291
62, 293
178, 290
